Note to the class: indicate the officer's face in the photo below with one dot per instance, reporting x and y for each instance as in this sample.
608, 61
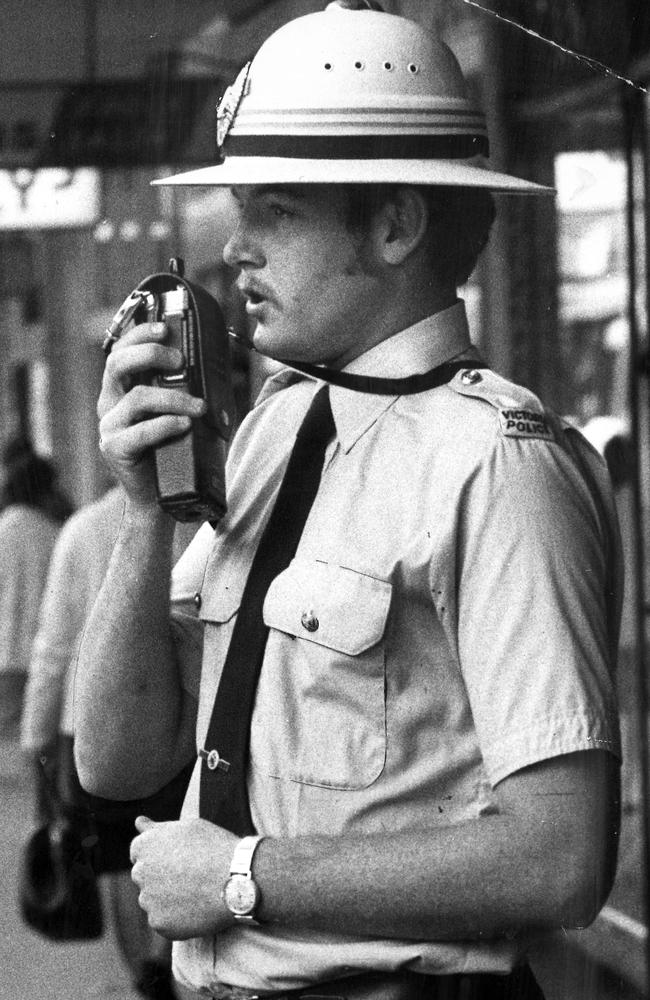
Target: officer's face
311, 285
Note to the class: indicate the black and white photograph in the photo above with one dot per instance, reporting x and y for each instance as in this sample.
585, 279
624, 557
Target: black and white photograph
324, 500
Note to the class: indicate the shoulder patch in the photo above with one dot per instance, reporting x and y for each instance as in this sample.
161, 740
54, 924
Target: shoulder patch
520, 412
524, 423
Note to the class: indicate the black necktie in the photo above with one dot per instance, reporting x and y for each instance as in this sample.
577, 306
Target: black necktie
224, 793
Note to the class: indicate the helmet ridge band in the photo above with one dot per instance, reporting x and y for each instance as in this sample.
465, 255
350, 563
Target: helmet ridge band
358, 147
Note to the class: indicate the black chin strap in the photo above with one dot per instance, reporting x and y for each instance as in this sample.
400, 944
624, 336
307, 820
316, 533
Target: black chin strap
406, 386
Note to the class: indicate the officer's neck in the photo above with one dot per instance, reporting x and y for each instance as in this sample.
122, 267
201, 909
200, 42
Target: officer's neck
413, 301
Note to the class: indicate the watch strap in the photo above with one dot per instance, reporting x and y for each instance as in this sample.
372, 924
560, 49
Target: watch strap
242, 858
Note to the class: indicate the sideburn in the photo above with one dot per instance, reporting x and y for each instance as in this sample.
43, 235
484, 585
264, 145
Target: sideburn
363, 203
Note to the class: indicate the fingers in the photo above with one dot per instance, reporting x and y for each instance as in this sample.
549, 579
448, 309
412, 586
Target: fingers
138, 352
131, 362
125, 397
143, 823
141, 333
144, 418
136, 416
130, 431
134, 852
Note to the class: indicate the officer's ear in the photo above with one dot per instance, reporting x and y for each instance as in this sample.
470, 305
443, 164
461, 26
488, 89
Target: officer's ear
401, 224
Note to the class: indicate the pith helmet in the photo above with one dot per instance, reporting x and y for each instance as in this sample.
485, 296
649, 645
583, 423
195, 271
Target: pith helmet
351, 96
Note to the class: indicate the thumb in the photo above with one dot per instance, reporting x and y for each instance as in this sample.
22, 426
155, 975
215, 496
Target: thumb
143, 823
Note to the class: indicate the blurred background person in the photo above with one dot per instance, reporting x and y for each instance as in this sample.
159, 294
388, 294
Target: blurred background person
32, 510
618, 452
610, 435
78, 565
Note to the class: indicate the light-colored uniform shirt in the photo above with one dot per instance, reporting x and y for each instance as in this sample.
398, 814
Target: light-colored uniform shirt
460, 561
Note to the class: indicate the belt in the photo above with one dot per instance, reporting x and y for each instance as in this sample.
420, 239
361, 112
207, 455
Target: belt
520, 984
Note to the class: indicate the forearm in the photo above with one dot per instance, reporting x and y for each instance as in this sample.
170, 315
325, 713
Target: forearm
420, 887
130, 729
546, 860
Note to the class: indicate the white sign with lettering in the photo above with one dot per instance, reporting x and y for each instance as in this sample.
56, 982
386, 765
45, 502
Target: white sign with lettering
50, 198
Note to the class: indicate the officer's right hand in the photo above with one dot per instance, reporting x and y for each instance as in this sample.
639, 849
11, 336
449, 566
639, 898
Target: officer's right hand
134, 418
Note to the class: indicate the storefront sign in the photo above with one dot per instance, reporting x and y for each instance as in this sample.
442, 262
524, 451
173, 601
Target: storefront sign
49, 198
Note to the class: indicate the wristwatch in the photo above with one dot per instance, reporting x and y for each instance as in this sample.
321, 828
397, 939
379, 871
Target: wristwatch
241, 893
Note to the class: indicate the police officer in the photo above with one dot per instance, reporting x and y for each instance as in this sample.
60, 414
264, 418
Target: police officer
431, 766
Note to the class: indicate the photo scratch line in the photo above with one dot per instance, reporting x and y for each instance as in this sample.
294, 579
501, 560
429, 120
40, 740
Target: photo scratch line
594, 64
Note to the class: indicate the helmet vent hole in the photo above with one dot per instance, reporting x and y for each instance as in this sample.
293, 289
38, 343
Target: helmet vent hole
328, 66
388, 65
413, 68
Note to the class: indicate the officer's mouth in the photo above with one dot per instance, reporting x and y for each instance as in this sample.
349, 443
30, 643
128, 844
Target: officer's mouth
257, 297
255, 304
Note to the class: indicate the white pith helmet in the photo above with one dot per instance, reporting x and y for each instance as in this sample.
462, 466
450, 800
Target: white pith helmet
351, 96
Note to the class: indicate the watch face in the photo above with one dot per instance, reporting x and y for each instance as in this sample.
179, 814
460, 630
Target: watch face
241, 895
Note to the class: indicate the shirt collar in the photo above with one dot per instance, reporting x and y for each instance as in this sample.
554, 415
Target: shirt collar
417, 349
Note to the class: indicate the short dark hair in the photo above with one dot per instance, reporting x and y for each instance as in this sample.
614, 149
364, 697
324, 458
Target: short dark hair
463, 217
460, 220
31, 480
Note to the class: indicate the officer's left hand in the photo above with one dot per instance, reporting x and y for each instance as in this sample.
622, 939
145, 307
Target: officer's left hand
181, 868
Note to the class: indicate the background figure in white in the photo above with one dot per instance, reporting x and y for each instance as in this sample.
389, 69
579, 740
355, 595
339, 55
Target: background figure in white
32, 512
611, 436
618, 452
76, 571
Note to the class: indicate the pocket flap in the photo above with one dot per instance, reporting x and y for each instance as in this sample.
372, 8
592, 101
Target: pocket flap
329, 605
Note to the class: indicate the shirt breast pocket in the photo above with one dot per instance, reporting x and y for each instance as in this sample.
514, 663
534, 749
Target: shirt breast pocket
320, 715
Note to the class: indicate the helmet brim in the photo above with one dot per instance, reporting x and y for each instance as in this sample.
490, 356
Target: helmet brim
257, 170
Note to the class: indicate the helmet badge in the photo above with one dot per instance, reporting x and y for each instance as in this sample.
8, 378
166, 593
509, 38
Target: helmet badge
228, 106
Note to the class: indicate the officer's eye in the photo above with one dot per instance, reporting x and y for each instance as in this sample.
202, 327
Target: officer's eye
280, 211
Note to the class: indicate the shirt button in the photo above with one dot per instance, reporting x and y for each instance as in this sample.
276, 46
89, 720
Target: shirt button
197, 601
470, 377
214, 760
309, 621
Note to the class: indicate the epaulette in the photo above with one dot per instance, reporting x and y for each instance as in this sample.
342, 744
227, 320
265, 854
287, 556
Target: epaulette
520, 412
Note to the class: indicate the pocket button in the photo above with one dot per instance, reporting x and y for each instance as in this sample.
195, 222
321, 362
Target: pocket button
309, 621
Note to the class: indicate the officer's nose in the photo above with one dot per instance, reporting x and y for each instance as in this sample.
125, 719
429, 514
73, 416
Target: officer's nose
241, 250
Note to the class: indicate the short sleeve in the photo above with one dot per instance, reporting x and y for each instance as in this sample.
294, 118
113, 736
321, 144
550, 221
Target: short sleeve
534, 612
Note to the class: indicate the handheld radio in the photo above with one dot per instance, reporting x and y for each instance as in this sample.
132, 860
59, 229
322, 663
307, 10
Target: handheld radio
190, 470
